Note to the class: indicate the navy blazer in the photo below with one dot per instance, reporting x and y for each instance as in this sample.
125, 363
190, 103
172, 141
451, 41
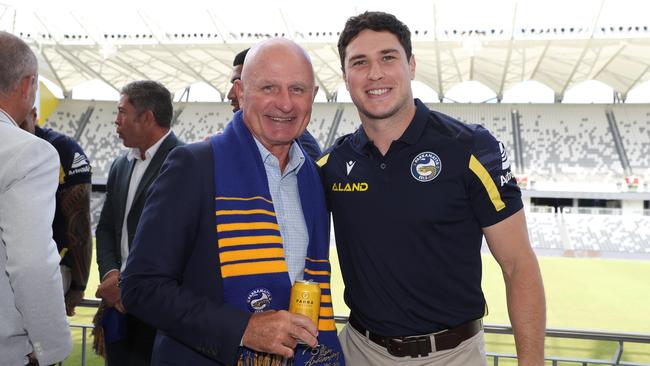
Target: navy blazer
172, 278
109, 228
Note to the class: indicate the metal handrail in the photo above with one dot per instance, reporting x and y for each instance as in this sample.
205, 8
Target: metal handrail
620, 338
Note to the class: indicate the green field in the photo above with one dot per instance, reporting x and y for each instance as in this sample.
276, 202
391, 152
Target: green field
581, 293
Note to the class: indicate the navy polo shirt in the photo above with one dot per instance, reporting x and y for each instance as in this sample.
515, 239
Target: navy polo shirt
75, 169
409, 224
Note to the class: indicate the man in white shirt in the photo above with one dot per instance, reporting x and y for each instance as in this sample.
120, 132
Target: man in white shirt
143, 123
33, 324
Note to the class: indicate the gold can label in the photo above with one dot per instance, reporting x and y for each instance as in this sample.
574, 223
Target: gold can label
305, 299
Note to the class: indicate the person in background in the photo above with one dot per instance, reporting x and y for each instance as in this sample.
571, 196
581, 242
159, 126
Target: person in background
307, 140
412, 193
144, 115
71, 226
33, 324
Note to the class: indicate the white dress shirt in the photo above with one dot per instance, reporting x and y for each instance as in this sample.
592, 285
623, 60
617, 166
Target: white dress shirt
139, 168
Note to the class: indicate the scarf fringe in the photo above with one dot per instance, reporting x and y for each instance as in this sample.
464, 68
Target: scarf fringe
262, 359
99, 345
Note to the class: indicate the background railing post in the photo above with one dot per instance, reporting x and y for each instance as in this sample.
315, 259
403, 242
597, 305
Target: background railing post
83, 346
618, 354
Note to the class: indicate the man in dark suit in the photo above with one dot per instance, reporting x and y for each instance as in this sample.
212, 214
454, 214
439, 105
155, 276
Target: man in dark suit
143, 123
176, 277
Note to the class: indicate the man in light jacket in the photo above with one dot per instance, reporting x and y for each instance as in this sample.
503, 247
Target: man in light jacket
33, 324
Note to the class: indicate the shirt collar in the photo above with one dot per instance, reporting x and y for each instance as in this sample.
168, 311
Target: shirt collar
415, 129
9, 117
410, 136
296, 157
134, 153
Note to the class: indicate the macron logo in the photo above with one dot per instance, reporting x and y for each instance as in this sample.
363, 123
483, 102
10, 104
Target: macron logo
349, 166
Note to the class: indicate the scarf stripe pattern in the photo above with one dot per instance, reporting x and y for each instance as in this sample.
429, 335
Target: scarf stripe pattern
249, 237
251, 254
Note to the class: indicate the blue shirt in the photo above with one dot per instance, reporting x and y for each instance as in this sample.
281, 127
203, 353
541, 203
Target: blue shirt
409, 224
286, 202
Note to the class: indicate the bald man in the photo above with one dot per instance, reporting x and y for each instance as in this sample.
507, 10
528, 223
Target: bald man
219, 296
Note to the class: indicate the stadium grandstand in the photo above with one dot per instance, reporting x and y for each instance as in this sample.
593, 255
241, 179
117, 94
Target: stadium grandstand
565, 85
564, 151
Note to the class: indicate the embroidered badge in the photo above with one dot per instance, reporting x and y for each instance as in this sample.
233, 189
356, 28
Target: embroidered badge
426, 166
259, 299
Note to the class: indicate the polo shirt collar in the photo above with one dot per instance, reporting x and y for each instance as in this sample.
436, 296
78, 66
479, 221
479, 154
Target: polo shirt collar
415, 129
410, 136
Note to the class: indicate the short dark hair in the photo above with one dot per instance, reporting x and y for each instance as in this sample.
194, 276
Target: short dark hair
377, 21
241, 56
153, 96
16, 61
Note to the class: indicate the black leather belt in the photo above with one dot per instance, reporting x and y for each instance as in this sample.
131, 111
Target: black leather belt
417, 346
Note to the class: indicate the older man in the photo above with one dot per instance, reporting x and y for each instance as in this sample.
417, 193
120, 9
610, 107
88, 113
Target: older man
307, 140
33, 323
231, 223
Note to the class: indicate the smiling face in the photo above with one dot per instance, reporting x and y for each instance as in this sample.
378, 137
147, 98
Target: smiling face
276, 92
378, 76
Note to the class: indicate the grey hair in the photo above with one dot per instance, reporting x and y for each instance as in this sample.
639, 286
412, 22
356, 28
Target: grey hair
16, 61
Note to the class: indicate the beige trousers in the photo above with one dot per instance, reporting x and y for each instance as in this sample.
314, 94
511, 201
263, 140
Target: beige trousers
360, 351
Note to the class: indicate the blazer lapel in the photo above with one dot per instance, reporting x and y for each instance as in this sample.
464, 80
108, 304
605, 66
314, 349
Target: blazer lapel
126, 169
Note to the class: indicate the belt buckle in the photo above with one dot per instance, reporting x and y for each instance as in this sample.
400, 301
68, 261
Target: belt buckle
418, 346
395, 346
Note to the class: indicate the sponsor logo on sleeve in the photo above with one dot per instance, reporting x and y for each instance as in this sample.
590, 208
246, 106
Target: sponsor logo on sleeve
79, 164
505, 163
506, 178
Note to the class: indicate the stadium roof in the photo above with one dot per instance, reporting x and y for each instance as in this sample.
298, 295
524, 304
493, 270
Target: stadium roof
498, 43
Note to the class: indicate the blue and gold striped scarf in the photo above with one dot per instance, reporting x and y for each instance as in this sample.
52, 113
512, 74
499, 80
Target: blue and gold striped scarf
253, 266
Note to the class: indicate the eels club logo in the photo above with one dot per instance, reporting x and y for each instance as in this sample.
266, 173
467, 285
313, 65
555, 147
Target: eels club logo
259, 299
426, 166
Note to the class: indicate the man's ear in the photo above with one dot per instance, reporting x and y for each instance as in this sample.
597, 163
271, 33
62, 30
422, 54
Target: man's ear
412, 66
25, 86
239, 92
315, 92
148, 118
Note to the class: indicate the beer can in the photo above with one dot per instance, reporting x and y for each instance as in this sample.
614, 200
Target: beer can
305, 299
